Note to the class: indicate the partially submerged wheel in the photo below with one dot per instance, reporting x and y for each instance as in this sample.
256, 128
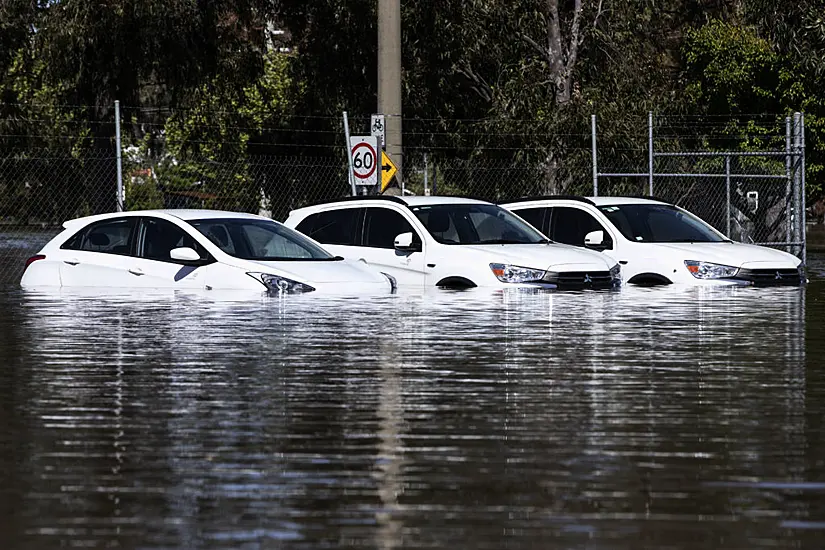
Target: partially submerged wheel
455, 283
649, 279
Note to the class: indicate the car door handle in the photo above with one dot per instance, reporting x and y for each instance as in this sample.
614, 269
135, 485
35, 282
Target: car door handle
73, 261
136, 271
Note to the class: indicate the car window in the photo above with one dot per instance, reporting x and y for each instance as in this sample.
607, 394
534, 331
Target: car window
110, 237
218, 233
659, 223
533, 216
383, 225
160, 237
268, 244
440, 225
260, 239
338, 226
472, 223
570, 225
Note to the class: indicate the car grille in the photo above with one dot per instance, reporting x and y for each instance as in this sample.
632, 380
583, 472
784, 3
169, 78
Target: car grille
770, 277
580, 279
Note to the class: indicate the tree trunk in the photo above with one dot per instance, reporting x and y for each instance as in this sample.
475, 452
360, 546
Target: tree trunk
560, 52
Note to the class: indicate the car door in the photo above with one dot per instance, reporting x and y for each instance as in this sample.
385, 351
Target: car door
381, 226
569, 225
339, 230
152, 265
99, 254
537, 217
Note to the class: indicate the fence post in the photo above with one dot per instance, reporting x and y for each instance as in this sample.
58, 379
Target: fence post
594, 155
789, 151
349, 156
120, 196
426, 177
797, 146
650, 151
435, 178
727, 192
802, 194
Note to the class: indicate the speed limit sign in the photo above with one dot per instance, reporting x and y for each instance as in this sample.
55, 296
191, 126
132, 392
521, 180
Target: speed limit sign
364, 152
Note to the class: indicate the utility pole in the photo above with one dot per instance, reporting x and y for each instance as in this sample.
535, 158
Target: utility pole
389, 77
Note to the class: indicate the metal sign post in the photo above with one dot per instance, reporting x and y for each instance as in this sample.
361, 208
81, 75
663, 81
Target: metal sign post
120, 194
349, 154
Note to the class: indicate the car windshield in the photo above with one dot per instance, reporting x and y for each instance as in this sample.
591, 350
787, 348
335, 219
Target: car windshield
261, 240
659, 223
476, 224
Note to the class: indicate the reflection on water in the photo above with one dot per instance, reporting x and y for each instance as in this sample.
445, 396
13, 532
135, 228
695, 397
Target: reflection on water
642, 418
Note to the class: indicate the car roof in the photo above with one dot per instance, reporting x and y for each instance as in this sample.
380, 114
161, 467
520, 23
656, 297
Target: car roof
409, 201
596, 201
611, 201
183, 214
194, 214
438, 199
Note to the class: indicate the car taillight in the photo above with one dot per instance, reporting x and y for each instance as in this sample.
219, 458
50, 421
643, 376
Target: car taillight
33, 259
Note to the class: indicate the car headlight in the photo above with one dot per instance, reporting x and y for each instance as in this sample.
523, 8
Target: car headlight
516, 274
616, 272
707, 270
280, 285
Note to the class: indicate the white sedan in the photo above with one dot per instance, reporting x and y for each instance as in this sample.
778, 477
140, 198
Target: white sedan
657, 243
195, 249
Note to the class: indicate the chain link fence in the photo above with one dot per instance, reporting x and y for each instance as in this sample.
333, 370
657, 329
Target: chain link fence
750, 185
48, 178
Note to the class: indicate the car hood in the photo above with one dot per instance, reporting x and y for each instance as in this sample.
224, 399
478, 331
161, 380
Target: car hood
341, 271
727, 253
542, 256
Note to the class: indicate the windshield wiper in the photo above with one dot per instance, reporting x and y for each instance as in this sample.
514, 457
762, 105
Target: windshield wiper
691, 241
293, 259
508, 241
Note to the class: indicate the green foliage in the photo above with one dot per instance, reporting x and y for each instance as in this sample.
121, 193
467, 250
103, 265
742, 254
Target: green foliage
143, 195
477, 86
219, 126
729, 68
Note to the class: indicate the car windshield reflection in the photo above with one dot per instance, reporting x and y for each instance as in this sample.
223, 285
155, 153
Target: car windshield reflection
659, 223
475, 224
260, 240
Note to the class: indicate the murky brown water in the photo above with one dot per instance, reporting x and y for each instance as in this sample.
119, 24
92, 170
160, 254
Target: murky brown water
646, 418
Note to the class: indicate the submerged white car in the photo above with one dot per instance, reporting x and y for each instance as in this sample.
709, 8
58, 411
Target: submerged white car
450, 242
194, 249
657, 243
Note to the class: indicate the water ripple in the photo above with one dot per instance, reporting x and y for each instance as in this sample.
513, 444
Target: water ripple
646, 418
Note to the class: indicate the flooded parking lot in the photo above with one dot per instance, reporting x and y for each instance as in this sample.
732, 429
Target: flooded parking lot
646, 418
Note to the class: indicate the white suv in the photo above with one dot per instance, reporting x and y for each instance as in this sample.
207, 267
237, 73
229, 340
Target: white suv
656, 242
450, 242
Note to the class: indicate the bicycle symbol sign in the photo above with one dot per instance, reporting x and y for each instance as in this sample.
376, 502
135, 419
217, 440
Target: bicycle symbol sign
378, 127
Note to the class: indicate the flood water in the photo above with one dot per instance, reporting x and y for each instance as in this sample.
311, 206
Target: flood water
645, 418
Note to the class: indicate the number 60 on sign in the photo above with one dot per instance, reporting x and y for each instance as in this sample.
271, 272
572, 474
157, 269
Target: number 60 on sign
364, 152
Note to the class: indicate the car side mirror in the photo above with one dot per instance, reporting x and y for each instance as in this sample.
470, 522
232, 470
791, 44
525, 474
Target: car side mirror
594, 239
184, 254
404, 243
